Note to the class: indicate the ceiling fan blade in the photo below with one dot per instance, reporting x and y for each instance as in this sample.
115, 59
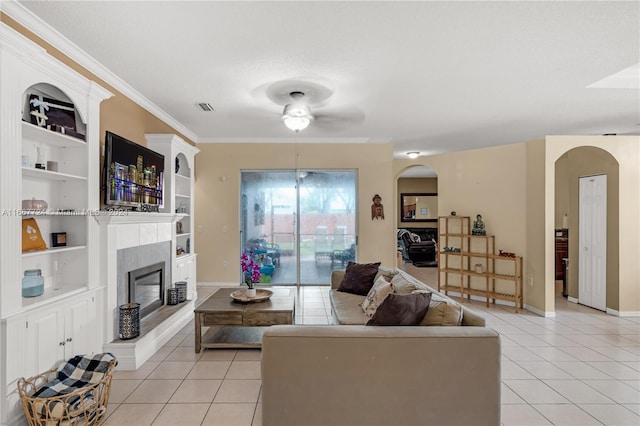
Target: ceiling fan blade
338, 119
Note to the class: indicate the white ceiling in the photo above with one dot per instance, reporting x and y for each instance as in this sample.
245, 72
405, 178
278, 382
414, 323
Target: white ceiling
429, 76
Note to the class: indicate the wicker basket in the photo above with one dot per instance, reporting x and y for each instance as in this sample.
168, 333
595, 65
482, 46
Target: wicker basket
84, 406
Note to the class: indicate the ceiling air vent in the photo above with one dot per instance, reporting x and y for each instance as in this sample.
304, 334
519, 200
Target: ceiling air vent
205, 106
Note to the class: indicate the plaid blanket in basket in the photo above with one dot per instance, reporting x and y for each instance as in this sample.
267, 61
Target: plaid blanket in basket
76, 373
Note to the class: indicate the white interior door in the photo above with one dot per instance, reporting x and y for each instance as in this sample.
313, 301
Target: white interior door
592, 276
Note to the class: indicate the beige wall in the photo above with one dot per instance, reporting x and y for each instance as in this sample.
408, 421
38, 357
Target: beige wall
416, 185
217, 191
468, 183
539, 294
623, 242
562, 191
490, 182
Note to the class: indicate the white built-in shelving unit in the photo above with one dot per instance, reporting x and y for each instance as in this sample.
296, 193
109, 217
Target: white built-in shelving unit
179, 158
67, 319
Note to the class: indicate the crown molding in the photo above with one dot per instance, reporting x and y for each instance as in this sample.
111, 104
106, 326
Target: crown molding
39, 27
292, 140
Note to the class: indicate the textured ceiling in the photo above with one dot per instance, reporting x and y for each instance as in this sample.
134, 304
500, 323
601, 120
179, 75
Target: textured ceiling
429, 76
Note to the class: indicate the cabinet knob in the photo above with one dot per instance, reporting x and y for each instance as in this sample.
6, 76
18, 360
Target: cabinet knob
69, 339
61, 343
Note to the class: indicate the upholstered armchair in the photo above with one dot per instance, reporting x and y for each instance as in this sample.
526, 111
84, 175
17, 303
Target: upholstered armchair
418, 251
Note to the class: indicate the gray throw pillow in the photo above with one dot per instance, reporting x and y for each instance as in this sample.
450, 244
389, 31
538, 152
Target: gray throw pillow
401, 309
358, 278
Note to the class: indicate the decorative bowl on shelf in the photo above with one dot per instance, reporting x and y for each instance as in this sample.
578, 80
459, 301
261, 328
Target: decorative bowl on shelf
262, 295
34, 204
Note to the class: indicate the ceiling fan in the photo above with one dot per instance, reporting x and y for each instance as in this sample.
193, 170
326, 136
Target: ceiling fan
307, 103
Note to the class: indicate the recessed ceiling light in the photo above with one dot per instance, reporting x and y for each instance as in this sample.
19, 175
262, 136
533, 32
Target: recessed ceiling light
205, 106
413, 154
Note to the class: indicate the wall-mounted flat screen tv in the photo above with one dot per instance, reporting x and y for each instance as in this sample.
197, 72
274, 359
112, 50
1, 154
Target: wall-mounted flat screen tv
134, 174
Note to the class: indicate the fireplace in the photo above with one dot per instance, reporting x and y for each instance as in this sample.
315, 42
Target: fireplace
146, 287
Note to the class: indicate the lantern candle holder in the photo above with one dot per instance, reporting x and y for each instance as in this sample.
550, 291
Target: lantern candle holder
172, 296
182, 291
129, 321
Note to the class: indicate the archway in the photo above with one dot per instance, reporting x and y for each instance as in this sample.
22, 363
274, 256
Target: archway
569, 167
417, 207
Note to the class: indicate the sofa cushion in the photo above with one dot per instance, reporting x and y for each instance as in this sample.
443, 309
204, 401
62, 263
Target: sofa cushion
345, 308
442, 311
401, 309
402, 285
358, 278
381, 289
387, 273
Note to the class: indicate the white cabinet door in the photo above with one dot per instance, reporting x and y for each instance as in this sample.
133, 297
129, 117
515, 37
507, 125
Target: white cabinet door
592, 267
46, 340
57, 333
192, 282
80, 328
186, 271
16, 340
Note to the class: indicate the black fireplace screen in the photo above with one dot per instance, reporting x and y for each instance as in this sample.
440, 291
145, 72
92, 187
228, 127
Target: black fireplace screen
146, 287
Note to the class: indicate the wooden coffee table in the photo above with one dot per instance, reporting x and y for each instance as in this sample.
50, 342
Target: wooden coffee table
240, 325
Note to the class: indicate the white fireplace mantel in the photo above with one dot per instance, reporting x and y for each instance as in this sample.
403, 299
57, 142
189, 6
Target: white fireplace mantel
116, 217
122, 230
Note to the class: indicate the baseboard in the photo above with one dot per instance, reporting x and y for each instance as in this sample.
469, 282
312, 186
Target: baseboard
546, 314
627, 314
536, 311
482, 299
572, 299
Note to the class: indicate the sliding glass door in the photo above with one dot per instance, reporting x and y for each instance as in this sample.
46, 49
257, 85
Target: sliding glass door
300, 225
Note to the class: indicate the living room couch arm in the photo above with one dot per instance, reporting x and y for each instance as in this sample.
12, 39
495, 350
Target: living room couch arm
355, 375
336, 278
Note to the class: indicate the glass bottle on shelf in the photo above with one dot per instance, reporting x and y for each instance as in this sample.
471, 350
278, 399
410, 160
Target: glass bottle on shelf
32, 283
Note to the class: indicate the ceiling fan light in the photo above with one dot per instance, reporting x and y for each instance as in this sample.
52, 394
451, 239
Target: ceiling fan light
296, 123
413, 154
296, 117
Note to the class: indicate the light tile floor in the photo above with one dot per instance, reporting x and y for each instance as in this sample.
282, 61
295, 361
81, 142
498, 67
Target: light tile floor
580, 368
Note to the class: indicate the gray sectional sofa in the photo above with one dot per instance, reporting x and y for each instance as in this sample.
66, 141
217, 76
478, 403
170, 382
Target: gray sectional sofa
352, 374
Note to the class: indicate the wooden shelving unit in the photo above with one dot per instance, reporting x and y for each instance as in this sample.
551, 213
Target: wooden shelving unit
476, 269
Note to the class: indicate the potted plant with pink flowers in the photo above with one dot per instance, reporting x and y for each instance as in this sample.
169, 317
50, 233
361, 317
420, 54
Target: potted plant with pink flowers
251, 271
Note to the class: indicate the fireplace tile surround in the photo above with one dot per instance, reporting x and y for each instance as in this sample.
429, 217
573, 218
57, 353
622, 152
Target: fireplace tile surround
129, 242
133, 258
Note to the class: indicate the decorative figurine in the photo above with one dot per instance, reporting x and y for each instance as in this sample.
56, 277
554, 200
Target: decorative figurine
478, 226
377, 209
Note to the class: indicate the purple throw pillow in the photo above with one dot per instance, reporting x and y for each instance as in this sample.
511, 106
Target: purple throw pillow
401, 309
358, 278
